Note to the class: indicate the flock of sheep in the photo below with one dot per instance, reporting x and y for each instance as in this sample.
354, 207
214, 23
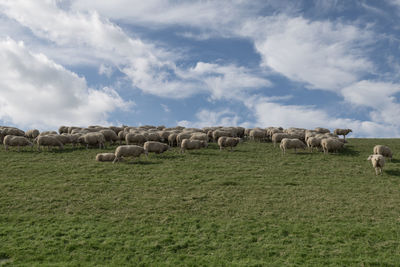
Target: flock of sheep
151, 139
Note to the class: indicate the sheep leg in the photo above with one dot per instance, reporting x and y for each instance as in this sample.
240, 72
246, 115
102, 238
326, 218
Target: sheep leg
6, 147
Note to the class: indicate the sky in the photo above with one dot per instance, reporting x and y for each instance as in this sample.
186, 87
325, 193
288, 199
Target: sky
306, 63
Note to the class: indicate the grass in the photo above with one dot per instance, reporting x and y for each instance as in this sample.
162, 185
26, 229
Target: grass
250, 207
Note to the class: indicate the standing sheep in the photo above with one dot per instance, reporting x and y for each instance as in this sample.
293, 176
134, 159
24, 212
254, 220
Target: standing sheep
128, 151
172, 139
192, 144
109, 135
378, 162
313, 142
18, 141
134, 138
343, 132
295, 143
228, 142
46, 140
331, 145
277, 137
92, 139
32, 134
156, 147
384, 151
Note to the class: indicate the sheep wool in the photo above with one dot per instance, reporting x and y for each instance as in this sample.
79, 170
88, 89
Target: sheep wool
384, 151
128, 151
294, 143
378, 162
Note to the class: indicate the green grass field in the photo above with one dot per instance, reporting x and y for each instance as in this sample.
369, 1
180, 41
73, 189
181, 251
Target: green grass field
250, 207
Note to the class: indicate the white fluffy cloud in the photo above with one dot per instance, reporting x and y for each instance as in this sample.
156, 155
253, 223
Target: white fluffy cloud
322, 54
37, 92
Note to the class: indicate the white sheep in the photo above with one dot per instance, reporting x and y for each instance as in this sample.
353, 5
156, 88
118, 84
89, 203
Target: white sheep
295, 143
331, 145
384, 151
258, 135
343, 132
313, 142
228, 142
135, 139
156, 147
321, 130
105, 157
128, 151
110, 135
46, 140
32, 134
192, 144
18, 141
277, 137
378, 162
91, 139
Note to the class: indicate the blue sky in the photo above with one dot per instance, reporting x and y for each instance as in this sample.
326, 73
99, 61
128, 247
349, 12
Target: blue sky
332, 64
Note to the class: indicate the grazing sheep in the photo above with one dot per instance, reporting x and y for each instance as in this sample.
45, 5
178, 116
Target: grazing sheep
153, 136
192, 144
18, 141
228, 142
295, 143
47, 133
384, 151
343, 132
164, 136
219, 133
156, 147
63, 129
105, 157
73, 138
331, 145
182, 136
322, 130
258, 135
199, 136
313, 142
378, 162
91, 139
277, 137
109, 135
172, 139
47, 140
116, 129
128, 151
136, 139
121, 136
32, 134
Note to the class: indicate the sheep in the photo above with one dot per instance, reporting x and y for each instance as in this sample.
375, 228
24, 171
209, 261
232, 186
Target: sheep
136, 139
295, 143
164, 135
32, 134
384, 151
277, 137
156, 147
228, 142
18, 141
153, 136
13, 131
258, 134
331, 144
109, 135
378, 162
172, 139
127, 151
199, 136
322, 130
63, 129
73, 138
188, 144
93, 139
218, 133
105, 157
343, 132
47, 133
116, 129
182, 136
46, 140
313, 142
121, 136
62, 138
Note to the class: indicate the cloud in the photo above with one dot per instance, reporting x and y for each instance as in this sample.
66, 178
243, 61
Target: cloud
151, 69
206, 117
322, 54
37, 92
269, 113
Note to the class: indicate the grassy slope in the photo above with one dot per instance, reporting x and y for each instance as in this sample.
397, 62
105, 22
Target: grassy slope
249, 207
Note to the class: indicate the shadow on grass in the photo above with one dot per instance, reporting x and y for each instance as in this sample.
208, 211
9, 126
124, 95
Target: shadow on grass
140, 162
393, 172
394, 161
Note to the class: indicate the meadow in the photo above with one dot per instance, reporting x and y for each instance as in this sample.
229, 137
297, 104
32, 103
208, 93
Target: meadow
250, 207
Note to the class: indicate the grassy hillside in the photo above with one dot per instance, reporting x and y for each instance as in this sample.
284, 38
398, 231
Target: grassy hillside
251, 207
